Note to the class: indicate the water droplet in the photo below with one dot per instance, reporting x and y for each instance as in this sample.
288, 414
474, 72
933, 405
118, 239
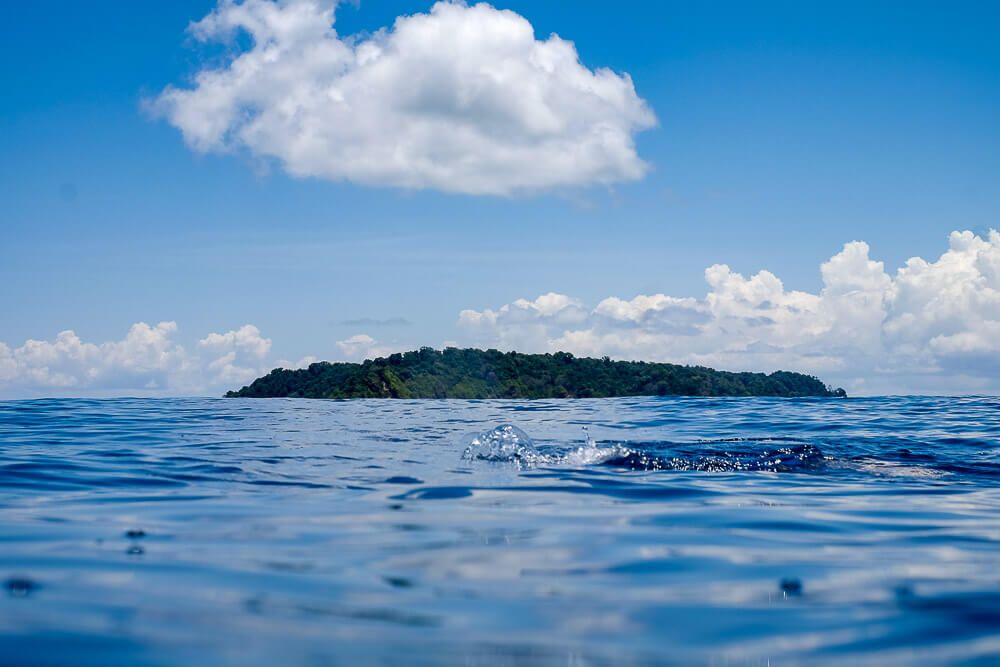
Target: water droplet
20, 587
791, 586
403, 479
398, 582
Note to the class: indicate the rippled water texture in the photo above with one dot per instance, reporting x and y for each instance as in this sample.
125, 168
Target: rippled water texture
671, 531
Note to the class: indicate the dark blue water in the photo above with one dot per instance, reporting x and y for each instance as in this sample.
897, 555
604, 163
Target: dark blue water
687, 531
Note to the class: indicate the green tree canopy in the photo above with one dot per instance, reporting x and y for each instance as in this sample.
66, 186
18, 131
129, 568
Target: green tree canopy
469, 373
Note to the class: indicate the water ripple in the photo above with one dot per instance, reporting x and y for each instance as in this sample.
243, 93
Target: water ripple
637, 531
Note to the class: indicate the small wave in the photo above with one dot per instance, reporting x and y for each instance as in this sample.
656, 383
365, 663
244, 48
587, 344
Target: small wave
798, 458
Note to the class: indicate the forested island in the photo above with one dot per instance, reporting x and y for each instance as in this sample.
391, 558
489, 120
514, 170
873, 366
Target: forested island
469, 373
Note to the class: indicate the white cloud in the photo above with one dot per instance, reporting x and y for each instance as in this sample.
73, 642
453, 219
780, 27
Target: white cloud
519, 325
304, 362
363, 346
933, 327
237, 356
147, 360
143, 359
460, 99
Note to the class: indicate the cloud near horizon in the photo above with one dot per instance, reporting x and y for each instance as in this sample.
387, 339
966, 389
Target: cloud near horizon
146, 361
933, 327
362, 346
461, 99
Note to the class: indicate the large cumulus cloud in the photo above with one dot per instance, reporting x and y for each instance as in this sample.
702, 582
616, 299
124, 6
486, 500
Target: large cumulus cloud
934, 326
461, 99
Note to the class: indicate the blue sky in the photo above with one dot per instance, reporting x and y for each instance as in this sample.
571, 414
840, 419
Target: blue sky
784, 130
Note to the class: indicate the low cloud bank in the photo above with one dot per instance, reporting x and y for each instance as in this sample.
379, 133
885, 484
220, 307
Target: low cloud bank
933, 326
146, 361
461, 99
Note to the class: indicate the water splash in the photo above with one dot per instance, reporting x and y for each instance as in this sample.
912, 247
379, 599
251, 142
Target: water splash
591, 453
504, 444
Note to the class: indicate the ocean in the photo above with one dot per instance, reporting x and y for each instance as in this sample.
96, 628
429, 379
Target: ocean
639, 531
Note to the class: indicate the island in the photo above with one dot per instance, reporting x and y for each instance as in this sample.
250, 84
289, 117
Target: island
480, 374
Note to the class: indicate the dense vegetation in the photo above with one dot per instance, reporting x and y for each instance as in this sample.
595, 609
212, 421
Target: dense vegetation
455, 373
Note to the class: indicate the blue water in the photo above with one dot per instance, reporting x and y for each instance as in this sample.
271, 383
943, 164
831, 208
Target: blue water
670, 531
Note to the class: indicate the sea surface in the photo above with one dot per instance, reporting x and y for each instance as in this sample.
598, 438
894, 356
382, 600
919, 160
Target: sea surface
646, 531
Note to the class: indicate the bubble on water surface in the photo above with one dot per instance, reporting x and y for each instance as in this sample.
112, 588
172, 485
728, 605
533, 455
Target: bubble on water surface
504, 444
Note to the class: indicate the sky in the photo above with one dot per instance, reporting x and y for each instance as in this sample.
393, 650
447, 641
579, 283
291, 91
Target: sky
195, 192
